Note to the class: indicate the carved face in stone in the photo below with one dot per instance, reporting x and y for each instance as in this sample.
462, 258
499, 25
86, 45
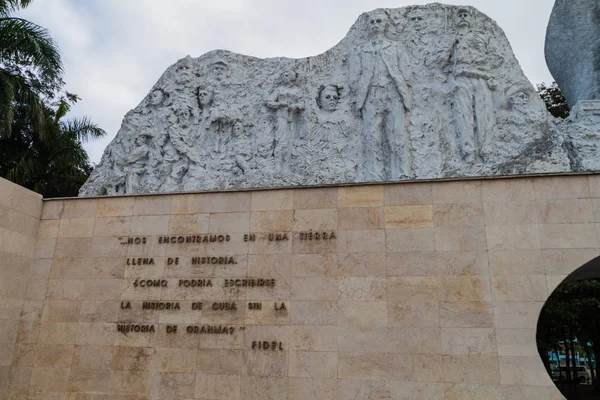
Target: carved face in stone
519, 101
417, 20
288, 77
463, 18
238, 129
329, 98
205, 96
220, 70
378, 23
157, 97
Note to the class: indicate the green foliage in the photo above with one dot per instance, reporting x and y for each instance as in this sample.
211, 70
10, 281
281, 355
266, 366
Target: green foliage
554, 99
39, 148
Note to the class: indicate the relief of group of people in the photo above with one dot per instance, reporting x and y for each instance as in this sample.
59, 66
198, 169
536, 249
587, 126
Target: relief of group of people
401, 75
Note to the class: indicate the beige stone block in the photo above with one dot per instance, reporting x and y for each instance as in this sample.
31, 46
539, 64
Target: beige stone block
360, 218
408, 194
531, 393
408, 288
322, 313
361, 196
49, 379
263, 388
32, 310
414, 340
23, 356
311, 388
262, 363
16, 221
48, 229
82, 268
458, 214
361, 264
569, 211
363, 339
511, 213
137, 383
457, 192
89, 380
314, 288
7, 350
268, 315
362, 289
190, 204
152, 205
39, 269
462, 263
272, 200
272, 265
312, 265
469, 341
18, 379
568, 236
596, 207
281, 290
416, 367
417, 313
73, 247
479, 369
115, 207
266, 244
230, 202
112, 226
130, 358
96, 334
173, 360
47, 396
10, 309
315, 220
172, 386
411, 216
519, 288
271, 221
513, 237
411, 264
523, 371
29, 332
517, 315
465, 289
63, 333
107, 247
313, 338
188, 224
37, 290
229, 222
409, 240
266, 333
219, 361
364, 366
594, 181
503, 190
355, 389
401, 390
99, 311
52, 209
517, 342
61, 311
516, 262
362, 313
359, 241
44, 248
313, 364
220, 387
561, 187
53, 356
566, 261
479, 392
79, 208
553, 281
150, 225
318, 198
462, 238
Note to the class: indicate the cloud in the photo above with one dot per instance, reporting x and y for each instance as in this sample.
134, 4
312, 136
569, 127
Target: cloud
114, 50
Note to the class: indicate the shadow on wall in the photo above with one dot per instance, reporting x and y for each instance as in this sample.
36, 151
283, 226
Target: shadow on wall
568, 333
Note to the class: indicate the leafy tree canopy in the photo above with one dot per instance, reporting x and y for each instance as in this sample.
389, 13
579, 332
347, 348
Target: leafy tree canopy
554, 99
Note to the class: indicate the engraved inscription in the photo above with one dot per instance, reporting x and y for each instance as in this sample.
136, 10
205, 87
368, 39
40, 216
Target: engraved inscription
267, 345
194, 239
317, 235
249, 282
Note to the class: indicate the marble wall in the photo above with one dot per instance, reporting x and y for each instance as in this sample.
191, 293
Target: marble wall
20, 212
400, 291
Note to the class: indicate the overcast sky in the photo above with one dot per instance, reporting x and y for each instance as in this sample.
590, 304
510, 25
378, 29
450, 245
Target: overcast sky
115, 50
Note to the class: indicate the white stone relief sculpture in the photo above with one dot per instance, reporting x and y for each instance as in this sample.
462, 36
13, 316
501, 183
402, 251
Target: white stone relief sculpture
418, 92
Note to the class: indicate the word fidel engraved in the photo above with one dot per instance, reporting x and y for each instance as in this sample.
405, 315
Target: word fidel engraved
278, 308
419, 92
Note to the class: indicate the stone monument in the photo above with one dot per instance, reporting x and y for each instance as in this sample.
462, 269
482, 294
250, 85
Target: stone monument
411, 93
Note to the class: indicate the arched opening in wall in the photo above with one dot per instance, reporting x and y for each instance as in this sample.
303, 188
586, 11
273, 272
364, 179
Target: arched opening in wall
568, 334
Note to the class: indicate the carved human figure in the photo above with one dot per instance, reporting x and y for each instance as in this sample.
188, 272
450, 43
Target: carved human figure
286, 101
472, 83
382, 99
157, 97
329, 97
135, 165
219, 71
242, 146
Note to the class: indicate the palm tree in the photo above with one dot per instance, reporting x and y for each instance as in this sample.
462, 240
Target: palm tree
30, 66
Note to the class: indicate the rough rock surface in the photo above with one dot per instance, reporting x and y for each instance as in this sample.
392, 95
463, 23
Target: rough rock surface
573, 49
410, 93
